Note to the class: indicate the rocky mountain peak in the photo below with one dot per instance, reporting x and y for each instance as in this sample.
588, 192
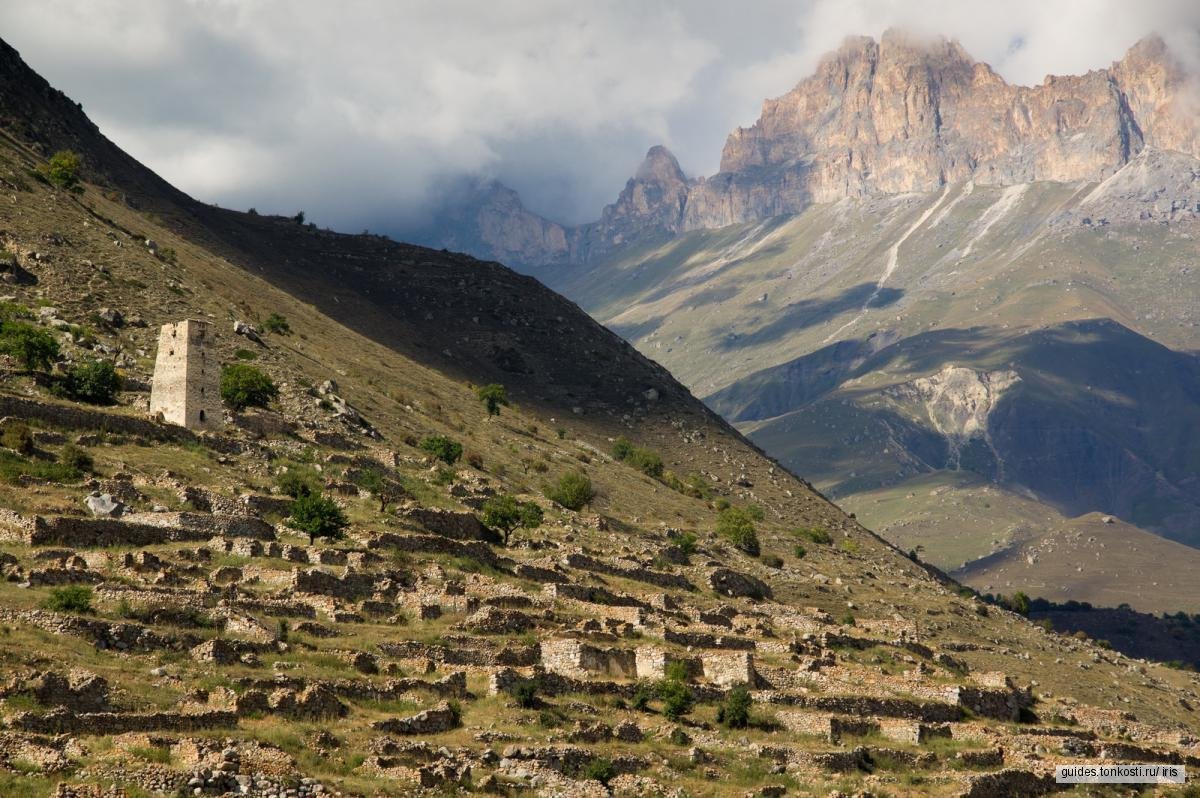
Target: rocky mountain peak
659, 166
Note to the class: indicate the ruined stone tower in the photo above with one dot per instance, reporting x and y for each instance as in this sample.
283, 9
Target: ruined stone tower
186, 388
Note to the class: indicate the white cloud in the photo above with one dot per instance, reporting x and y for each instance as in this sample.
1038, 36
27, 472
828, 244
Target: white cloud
357, 111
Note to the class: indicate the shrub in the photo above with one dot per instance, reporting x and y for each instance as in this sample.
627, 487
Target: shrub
773, 561
492, 396
525, 693
642, 695
15, 435
443, 448
504, 513
246, 354
475, 460
1018, 603
71, 598
244, 386
318, 517
736, 526
814, 534
75, 459
573, 491
645, 460
799, 552
62, 170
685, 542
676, 671
275, 323
734, 713
679, 737
847, 620
33, 348
600, 769
297, 483
676, 698
96, 383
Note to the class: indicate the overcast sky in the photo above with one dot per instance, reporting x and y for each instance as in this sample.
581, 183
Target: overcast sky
357, 111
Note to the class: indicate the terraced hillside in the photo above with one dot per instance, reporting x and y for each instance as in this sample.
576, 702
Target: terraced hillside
165, 630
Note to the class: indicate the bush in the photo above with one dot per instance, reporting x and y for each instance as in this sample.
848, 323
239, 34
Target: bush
71, 598
734, 713
676, 698
573, 491
600, 769
277, 324
504, 513
297, 483
75, 459
642, 695
33, 348
492, 396
736, 526
62, 170
773, 561
443, 448
96, 383
847, 619
814, 534
15, 435
676, 671
645, 460
799, 552
318, 517
1018, 603
475, 460
246, 354
685, 542
244, 386
525, 693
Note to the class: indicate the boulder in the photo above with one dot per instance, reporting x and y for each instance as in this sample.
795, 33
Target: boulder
103, 505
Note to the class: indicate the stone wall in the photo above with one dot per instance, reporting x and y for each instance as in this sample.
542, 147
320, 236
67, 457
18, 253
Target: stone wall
81, 418
572, 657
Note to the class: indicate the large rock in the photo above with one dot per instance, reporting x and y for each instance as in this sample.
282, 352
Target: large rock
728, 582
103, 505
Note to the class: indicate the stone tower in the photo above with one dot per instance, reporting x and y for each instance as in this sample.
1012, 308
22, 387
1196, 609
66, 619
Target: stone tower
186, 389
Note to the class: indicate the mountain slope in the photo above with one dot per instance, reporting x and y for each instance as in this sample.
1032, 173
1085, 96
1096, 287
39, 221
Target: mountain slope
221, 647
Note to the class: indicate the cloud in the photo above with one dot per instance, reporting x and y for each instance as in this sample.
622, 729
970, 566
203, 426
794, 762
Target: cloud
360, 111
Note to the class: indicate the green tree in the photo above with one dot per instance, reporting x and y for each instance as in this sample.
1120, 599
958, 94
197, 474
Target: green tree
734, 713
62, 169
96, 382
245, 386
505, 513
380, 486
297, 482
493, 396
573, 491
318, 517
735, 525
443, 448
676, 697
33, 348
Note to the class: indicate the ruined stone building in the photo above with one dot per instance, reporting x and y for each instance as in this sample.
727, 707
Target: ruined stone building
186, 389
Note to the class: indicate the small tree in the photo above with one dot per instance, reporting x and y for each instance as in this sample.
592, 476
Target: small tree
505, 513
377, 483
244, 386
318, 517
734, 713
676, 698
15, 435
735, 525
492, 396
75, 459
62, 169
34, 348
443, 448
573, 491
96, 382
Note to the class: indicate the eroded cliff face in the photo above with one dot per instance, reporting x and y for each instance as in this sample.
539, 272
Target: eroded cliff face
904, 114
898, 115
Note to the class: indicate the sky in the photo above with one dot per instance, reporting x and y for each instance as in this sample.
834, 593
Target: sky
362, 112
